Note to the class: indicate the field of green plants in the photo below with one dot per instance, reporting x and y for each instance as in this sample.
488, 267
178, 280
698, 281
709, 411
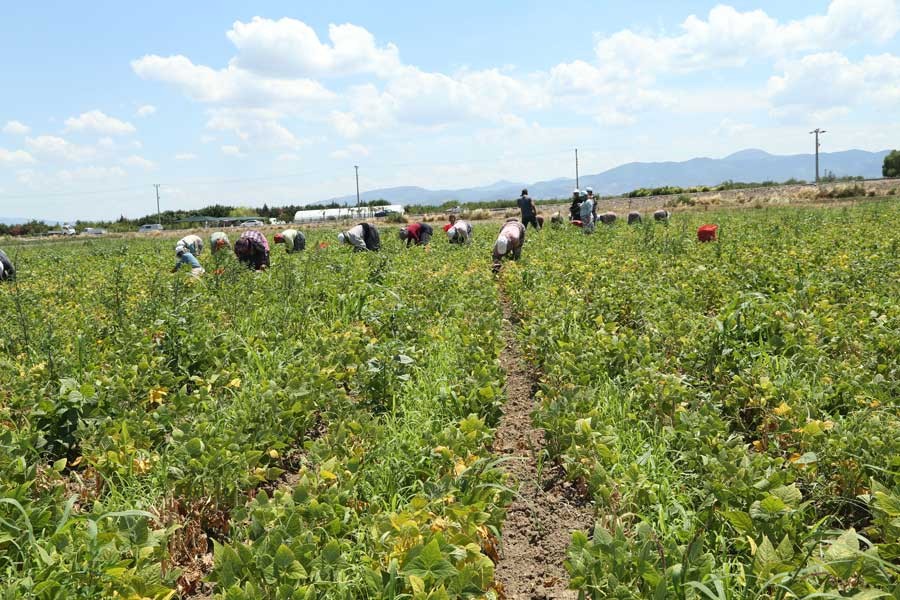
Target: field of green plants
733, 408
324, 429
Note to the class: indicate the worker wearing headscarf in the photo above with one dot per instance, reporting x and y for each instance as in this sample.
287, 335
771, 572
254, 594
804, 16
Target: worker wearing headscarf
416, 233
459, 232
183, 256
509, 242
192, 243
293, 240
363, 237
218, 241
7, 270
252, 249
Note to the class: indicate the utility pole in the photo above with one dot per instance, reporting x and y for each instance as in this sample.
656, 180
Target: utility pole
577, 187
357, 184
817, 131
158, 218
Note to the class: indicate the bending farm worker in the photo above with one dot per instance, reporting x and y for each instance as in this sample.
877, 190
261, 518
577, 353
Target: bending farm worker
193, 244
7, 270
363, 237
252, 249
293, 240
183, 256
459, 232
509, 242
416, 233
528, 209
218, 241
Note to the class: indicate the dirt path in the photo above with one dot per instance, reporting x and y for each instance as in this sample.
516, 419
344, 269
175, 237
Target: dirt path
541, 519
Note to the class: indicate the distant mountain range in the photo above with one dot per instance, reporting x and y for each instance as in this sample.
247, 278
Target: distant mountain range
747, 165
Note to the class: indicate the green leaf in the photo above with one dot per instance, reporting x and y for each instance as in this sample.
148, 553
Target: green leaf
283, 557
789, 494
431, 563
739, 520
766, 558
772, 504
842, 556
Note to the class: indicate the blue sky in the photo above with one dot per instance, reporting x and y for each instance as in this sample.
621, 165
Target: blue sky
220, 102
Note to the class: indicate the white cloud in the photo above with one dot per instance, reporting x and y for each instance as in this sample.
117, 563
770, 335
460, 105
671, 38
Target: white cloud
96, 121
232, 85
826, 85
16, 128
730, 38
15, 157
232, 151
291, 48
351, 151
57, 148
139, 161
185, 156
288, 157
259, 128
145, 110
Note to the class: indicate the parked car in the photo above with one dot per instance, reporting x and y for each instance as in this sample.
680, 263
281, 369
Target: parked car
385, 212
147, 227
252, 223
94, 231
64, 230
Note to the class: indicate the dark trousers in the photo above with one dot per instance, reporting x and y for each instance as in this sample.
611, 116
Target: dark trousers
531, 220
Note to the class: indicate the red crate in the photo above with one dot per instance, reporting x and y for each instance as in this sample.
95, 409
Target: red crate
707, 233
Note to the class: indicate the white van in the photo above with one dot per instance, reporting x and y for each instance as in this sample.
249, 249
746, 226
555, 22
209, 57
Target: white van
147, 227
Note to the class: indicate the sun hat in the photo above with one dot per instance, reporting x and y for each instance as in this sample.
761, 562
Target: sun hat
341, 238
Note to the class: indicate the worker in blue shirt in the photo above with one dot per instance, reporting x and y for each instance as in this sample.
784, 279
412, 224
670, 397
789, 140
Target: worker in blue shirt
184, 257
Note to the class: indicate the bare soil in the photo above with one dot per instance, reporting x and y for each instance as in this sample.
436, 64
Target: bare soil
540, 521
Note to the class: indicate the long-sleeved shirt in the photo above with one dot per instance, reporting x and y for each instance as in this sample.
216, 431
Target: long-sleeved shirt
587, 211
293, 240
215, 238
186, 258
463, 231
355, 236
194, 243
514, 232
419, 233
256, 238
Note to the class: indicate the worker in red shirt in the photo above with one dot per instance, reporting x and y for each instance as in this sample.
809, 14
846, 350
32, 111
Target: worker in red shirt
418, 233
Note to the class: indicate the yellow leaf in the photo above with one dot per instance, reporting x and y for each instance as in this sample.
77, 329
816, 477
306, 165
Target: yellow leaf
157, 394
459, 468
782, 409
326, 474
234, 383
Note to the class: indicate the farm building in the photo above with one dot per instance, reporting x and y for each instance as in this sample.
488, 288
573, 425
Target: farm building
350, 212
